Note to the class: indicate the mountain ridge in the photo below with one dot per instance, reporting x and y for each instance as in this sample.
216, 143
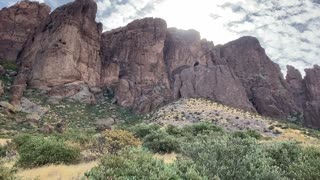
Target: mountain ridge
148, 65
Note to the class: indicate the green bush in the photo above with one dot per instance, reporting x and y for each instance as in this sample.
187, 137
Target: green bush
175, 131
142, 130
11, 65
248, 134
161, 142
38, 151
227, 157
307, 167
6, 173
82, 137
297, 162
3, 151
186, 169
201, 128
131, 164
138, 164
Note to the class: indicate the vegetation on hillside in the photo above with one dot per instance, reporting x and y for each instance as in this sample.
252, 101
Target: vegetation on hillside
130, 149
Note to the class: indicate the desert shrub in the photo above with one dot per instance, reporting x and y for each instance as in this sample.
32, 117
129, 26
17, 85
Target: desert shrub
6, 173
248, 134
131, 164
10, 65
186, 169
38, 151
201, 128
307, 167
116, 140
82, 137
175, 131
21, 139
227, 157
3, 151
161, 142
295, 161
142, 130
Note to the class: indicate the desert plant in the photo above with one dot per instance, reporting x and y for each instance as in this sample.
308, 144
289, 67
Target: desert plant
116, 140
139, 164
161, 142
227, 157
10, 65
131, 164
6, 173
248, 134
202, 128
295, 161
38, 151
142, 130
3, 151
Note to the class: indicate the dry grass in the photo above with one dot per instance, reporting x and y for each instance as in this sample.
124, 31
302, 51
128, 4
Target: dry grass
4, 141
167, 158
297, 135
57, 172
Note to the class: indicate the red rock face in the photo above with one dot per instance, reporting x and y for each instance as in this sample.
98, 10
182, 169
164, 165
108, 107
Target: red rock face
312, 92
136, 53
17, 23
185, 48
217, 83
262, 78
65, 49
149, 65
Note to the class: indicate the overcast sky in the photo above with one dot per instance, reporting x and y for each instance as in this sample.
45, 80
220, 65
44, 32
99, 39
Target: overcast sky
289, 30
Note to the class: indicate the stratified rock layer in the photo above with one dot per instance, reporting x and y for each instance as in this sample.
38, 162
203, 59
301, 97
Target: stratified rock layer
17, 23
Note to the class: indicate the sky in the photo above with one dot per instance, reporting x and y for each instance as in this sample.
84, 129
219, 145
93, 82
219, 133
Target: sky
289, 30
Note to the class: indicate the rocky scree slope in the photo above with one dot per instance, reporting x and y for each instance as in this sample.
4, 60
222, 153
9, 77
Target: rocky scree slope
148, 65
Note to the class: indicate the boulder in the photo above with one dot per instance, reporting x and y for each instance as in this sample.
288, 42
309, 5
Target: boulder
17, 23
8, 106
30, 107
104, 124
33, 117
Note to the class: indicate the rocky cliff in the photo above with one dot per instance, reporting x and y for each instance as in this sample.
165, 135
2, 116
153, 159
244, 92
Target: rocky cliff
17, 23
148, 65
63, 55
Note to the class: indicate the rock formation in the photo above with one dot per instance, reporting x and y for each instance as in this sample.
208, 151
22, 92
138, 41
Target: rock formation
17, 23
65, 49
217, 83
148, 65
312, 92
262, 78
137, 53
